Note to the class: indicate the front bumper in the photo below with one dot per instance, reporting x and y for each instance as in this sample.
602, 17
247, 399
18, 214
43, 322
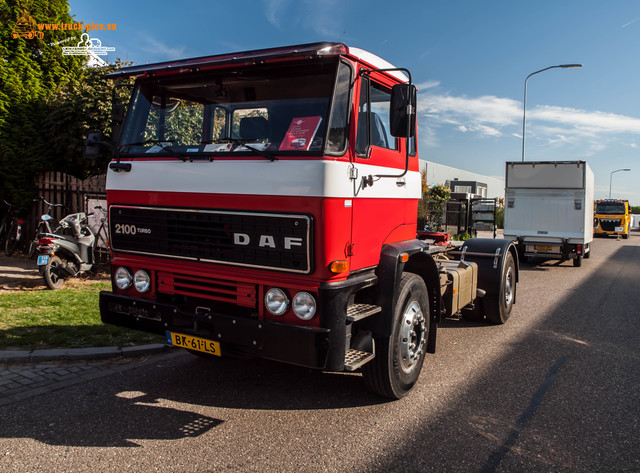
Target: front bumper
303, 346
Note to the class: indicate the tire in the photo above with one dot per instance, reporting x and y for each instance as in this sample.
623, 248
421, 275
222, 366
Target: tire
399, 358
12, 239
50, 273
498, 307
578, 261
625, 235
587, 255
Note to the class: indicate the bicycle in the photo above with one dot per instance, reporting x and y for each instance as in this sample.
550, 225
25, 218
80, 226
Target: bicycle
47, 224
100, 251
10, 229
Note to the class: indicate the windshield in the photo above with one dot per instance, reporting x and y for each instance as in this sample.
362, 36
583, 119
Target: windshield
267, 110
611, 208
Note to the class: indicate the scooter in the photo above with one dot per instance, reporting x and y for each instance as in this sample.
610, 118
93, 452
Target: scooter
67, 252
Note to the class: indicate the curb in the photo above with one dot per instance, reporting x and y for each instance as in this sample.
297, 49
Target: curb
96, 353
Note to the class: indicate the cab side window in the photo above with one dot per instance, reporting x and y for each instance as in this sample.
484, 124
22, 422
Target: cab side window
373, 118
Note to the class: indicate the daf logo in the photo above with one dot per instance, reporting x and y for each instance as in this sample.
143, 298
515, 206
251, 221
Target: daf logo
266, 241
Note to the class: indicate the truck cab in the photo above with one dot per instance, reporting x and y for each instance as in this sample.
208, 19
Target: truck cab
264, 204
612, 217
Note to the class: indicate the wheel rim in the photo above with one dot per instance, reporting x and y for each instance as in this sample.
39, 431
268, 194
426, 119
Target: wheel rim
412, 336
508, 287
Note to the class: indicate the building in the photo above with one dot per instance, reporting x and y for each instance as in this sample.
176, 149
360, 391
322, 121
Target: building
461, 181
475, 188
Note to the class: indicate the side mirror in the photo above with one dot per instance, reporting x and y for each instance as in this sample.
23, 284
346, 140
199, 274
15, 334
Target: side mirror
117, 113
403, 111
92, 145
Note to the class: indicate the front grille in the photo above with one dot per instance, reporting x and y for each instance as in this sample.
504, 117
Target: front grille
267, 241
208, 288
609, 224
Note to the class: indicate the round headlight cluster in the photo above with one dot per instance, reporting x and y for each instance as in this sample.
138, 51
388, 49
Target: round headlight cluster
304, 304
141, 280
122, 278
276, 301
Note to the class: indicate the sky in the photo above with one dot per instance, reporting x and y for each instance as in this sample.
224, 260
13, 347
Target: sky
468, 58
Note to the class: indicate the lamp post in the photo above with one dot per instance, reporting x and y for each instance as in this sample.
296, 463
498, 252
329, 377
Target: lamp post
611, 177
524, 107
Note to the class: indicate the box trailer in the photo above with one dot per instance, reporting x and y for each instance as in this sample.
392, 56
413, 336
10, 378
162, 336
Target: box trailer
549, 209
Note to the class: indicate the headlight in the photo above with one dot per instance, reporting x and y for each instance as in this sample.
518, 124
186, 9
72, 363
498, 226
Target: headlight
276, 301
142, 280
304, 305
122, 278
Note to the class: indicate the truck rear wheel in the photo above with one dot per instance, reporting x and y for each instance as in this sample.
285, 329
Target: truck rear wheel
577, 262
399, 358
498, 307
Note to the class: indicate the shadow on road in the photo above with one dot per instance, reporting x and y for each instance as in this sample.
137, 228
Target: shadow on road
564, 397
135, 406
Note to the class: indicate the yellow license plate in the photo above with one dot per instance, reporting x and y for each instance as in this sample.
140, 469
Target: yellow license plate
194, 343
543, 247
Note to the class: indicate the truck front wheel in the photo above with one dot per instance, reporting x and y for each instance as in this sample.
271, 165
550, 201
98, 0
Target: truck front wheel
498, 306
399, 358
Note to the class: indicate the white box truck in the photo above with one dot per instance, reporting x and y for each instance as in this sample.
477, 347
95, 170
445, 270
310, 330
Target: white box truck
549, 209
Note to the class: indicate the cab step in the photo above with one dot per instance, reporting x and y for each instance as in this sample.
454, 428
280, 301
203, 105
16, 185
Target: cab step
354, 359
357, 312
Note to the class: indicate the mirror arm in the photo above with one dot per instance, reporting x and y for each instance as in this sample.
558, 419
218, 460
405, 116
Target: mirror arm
368, 181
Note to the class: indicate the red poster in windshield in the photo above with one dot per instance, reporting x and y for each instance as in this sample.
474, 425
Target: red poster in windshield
300, 133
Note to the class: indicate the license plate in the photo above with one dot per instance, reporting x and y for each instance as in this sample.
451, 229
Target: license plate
42, 260
194, 343
619, 229
543, 247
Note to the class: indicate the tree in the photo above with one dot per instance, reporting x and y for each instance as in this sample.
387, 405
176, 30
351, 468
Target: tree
76, 109
48, 101
431, 205
31, 71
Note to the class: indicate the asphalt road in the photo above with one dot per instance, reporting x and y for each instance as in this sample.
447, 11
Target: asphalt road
555, 389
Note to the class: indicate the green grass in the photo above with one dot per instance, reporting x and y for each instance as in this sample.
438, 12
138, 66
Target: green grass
67, 318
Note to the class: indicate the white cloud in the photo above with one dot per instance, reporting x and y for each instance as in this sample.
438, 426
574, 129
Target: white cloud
160, 50
587, 122
273, 10
630, 23
430, 84
491, 116
320, 16
479, 111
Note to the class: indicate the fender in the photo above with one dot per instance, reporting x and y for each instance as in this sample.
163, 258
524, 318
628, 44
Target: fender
488, 254
389, 272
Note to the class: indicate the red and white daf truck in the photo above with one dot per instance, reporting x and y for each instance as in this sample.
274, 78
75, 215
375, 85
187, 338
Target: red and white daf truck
264, 204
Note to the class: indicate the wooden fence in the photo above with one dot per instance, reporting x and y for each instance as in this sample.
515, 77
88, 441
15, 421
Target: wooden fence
61, 188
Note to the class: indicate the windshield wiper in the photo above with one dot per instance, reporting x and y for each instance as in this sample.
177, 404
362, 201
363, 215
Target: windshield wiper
260, 152
160, 143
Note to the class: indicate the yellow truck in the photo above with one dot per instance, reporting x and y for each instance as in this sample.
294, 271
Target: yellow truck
612, 217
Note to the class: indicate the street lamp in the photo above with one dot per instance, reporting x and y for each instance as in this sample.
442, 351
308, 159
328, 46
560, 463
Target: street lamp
524, 107
611, 177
